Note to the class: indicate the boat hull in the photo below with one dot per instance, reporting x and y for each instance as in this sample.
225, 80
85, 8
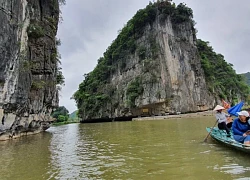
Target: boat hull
221, 137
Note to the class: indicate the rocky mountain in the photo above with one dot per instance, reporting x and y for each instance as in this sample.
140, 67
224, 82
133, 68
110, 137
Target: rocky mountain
155, 66
73, 116
247, 77
29, 71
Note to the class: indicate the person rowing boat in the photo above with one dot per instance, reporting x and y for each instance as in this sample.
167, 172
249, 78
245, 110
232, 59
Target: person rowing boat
222, 119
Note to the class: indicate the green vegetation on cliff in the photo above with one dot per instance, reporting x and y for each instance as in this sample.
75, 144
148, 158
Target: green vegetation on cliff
93, 92
221, 78
61, 114
133, 91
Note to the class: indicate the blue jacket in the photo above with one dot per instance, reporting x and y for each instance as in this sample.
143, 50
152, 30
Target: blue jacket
239, 128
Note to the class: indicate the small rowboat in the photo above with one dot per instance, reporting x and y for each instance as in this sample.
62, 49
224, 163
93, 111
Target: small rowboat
221, 136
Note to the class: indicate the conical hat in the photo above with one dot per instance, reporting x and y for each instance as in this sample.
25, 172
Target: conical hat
218, 107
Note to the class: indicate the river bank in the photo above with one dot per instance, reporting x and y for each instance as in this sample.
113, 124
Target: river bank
189, 115
131, 118
64, 123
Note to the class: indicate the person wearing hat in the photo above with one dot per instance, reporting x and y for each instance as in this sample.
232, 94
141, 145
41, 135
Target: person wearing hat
241, 128
222, 119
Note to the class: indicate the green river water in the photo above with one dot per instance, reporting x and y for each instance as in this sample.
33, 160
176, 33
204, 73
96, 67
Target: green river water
158, 149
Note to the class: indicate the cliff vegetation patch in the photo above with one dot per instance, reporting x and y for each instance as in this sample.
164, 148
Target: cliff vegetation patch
221, 78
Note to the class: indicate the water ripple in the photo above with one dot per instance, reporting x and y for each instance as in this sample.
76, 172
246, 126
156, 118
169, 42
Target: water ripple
133, 150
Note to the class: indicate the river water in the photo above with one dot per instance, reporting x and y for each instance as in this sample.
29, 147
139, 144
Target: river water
158, 149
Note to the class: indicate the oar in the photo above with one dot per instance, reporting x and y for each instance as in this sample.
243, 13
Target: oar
205, 140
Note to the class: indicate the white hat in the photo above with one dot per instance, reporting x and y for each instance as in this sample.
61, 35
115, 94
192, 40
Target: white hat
218, 107
243, 113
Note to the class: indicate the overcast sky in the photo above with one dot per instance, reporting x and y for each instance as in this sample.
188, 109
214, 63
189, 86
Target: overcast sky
89, 27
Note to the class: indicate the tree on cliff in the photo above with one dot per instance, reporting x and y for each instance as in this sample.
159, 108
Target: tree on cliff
61, 114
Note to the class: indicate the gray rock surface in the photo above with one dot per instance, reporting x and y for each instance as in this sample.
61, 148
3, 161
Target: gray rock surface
28, 65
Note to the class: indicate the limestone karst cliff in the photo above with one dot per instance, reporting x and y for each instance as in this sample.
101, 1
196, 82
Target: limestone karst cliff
28, 65
153, 67
157, 71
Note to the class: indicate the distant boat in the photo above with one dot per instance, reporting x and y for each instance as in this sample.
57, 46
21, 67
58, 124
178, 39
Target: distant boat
221, 137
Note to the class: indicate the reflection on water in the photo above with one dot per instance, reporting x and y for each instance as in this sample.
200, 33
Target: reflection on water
25, 158
167, 149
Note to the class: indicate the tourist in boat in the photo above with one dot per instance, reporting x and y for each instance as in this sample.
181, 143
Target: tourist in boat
241, 129
222, 119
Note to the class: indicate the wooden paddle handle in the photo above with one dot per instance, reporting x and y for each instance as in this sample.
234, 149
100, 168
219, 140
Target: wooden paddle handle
210, 131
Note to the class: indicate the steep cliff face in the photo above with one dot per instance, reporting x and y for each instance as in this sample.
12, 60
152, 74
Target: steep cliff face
28, 65
152, 68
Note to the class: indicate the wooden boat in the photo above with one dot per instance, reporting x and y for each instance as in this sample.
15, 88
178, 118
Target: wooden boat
221, 136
